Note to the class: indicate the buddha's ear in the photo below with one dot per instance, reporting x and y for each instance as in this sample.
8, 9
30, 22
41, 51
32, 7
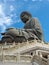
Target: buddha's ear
25, 16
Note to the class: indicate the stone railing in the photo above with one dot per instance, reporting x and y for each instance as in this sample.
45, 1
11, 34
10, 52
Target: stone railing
15, 58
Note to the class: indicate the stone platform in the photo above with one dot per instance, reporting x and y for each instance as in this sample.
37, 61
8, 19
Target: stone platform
29, 53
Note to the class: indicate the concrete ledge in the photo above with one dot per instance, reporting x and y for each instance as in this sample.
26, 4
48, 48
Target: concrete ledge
14, 63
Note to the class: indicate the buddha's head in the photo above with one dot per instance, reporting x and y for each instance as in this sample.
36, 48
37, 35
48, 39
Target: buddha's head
25, 16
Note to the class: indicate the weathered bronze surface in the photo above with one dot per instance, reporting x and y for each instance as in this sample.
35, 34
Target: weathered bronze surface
32, 30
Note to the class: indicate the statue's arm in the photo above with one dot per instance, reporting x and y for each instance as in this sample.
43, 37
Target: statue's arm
38, 27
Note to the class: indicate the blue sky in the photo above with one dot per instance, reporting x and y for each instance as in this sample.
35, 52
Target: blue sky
10, 14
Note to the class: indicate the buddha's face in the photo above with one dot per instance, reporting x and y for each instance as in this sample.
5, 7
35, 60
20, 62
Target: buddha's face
25, 16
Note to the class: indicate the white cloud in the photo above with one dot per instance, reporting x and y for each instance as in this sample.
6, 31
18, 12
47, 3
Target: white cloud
13, 15
2, 28
4, 20
8, 21
1, 11
11, 8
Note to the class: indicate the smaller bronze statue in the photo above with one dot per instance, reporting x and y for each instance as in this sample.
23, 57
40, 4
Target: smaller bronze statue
32, 30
